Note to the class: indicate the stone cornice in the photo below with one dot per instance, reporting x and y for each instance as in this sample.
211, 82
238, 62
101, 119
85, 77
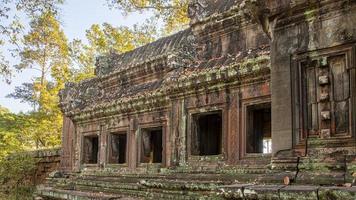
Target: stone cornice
235, 73
293, 13
235, 18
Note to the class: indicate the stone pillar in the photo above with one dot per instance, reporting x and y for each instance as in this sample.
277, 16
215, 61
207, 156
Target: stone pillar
132, 148
68, 137
102, 146
233, 131
281, 49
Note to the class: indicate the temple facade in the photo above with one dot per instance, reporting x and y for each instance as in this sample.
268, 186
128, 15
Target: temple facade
254, 100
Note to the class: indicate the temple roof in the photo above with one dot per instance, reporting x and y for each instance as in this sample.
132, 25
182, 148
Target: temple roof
184, 61
163, 46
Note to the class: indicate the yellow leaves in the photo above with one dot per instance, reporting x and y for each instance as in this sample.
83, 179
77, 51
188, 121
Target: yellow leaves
96, 38
45, 44
14, 132
105, 38
172, 12
178, 17
46, 50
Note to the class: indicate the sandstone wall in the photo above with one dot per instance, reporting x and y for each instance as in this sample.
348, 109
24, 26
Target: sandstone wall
48, 161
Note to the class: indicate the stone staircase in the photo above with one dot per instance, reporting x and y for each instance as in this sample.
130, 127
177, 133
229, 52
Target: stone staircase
153, 186
323, 173
182, 186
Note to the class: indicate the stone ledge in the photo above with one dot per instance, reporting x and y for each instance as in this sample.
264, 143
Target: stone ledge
281, 192
69, 195
245, 191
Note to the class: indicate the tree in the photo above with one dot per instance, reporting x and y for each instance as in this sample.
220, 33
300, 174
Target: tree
37, 7
25, 93
29, 7
104, 39
5, 71
15, 137
15, 132
10, 27
15, 171
44, 49
45, 46
172, 12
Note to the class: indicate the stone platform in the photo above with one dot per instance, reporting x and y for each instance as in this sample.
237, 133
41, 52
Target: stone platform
185, 187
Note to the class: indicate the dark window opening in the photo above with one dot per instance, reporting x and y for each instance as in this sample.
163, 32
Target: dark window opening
151, 146
258, 139
207, 134
90, 149
117, 152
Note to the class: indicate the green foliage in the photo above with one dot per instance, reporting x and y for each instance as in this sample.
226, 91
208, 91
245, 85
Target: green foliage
45, 45
19, 193
16, 171
11, 27
172, 12
45, 49
37, 7
25, 94
104, 39
5, 70
20, 133
15, 132
15, 167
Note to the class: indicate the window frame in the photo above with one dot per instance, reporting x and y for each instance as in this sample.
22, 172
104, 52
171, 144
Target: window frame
109, 138
195, 124
161, 126
207, 158
244, 125
90, 134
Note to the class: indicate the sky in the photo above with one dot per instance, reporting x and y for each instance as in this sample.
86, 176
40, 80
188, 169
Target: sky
76, 17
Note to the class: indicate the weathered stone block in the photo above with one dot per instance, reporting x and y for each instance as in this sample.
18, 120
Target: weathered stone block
325, 115
323, 80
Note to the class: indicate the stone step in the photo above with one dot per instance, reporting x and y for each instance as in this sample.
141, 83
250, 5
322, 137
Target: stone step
233, 191
225, 176
346, 144
164, 189
322, 164
282, 164
321, 178
184, 186
282, 192
74, 195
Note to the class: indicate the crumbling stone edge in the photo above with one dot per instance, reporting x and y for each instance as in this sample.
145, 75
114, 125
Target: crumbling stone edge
281, 192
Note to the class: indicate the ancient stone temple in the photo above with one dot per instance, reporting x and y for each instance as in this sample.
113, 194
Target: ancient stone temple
255, 100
